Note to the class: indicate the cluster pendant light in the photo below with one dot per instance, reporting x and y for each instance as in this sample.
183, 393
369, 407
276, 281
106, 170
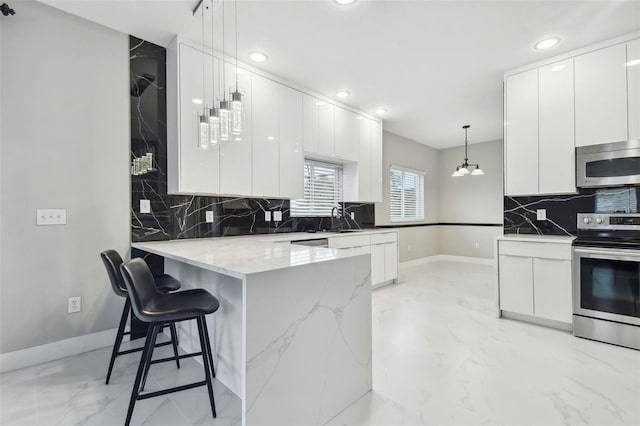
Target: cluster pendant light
463, 169
225, 122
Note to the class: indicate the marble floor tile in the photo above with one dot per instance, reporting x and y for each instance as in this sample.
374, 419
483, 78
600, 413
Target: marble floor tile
440, 357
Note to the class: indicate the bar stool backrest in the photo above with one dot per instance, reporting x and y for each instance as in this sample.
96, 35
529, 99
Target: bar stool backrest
141, 286
112, 262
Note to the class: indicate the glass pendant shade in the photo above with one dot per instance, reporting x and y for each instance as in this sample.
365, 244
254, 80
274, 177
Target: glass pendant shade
214, 127
236, 113
225, 120
203, 132
463, 171
457, 174
478, 171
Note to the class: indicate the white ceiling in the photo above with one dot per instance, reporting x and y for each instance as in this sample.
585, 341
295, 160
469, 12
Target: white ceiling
435, 65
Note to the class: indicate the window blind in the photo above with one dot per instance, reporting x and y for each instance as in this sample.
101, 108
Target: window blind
406, 194
322, 189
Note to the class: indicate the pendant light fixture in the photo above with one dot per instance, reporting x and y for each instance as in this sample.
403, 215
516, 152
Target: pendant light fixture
236, 97
225, 106
214, 118
203, 119
463, 169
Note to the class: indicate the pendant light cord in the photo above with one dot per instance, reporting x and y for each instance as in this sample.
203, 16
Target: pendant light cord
466, 144
213, 77
224, 66
235, 7
204, 104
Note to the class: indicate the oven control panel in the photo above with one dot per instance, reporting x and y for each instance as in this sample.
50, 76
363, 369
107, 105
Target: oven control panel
614, 221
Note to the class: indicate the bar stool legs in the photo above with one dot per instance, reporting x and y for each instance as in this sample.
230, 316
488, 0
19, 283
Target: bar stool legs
146, 361
119, 336
174, 341
206, 336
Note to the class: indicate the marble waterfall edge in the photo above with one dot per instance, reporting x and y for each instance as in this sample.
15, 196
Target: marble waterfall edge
308, 334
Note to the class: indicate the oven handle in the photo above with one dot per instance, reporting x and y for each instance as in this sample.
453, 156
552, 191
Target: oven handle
609, 253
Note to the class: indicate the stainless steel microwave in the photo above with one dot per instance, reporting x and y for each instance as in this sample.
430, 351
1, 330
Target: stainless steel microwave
610, 164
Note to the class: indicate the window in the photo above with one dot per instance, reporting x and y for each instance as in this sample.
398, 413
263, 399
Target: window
322, 189
406, 194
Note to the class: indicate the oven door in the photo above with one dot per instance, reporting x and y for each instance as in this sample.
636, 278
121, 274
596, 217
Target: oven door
607, 284
608, 168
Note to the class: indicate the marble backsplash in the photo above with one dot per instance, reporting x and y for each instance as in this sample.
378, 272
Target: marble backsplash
184, 216
520, 212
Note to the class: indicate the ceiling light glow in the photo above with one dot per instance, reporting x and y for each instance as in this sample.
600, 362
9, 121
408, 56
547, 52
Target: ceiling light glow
633, 63
197, 101
381, 110
257, 56
343, 94
547, 43
557, 68
359, 117
344, 2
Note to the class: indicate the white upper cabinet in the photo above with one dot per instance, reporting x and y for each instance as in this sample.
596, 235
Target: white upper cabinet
235, 166
633, 87
191, 170
310, 123
601, 96
376, 161
347, 134
266, 137
326, 126
291, 150
521, 134
364, 161
556, 128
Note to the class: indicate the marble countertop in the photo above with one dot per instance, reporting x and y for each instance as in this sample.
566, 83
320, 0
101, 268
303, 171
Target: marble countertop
563, 239
251, 254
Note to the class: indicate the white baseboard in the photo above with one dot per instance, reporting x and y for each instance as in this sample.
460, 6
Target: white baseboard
446, 258
28, 357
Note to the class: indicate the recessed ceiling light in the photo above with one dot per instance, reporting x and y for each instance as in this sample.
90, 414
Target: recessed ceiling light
343, 94
345, 2
238, 139
547, 43
256, 56
197, 101
557, 68
633, 63
381, 110
270, 138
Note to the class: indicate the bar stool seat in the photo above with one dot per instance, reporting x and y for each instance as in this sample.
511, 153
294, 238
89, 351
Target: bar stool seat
166, 283
180, 306
159, 309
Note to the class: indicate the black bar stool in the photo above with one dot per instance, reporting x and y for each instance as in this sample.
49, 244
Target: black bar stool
158, 309
164, 283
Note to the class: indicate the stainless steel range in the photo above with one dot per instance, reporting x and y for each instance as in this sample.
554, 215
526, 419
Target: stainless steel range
606, 287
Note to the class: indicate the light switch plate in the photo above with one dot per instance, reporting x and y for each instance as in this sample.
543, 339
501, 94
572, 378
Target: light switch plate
277, 216
51, 217
267, 216
74, 305
209, 216
541, 214
145, 206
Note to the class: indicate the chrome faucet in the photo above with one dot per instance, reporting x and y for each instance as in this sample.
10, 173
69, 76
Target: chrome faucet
336, 216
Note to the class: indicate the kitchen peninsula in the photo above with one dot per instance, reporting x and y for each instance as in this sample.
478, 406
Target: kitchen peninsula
293, 336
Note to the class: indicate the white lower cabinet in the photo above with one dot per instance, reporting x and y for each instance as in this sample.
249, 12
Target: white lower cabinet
535, 279
383, 248
516, 284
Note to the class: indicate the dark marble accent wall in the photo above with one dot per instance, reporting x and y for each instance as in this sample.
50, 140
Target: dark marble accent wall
184, 216
520, 212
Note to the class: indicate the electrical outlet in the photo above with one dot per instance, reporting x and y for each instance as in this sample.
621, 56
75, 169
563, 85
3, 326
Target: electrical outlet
145, 206
541, 214
477, 245
353, 215
46, 217
267, 216
209, 216
277, 216
74, 304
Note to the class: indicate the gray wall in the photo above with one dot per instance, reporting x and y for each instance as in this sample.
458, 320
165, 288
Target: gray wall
404, 152
468, 199
64, 143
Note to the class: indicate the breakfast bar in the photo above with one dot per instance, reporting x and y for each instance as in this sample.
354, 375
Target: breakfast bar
292, 338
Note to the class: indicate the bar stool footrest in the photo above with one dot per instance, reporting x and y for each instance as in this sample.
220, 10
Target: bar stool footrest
172, 390
130, 351
173, 358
